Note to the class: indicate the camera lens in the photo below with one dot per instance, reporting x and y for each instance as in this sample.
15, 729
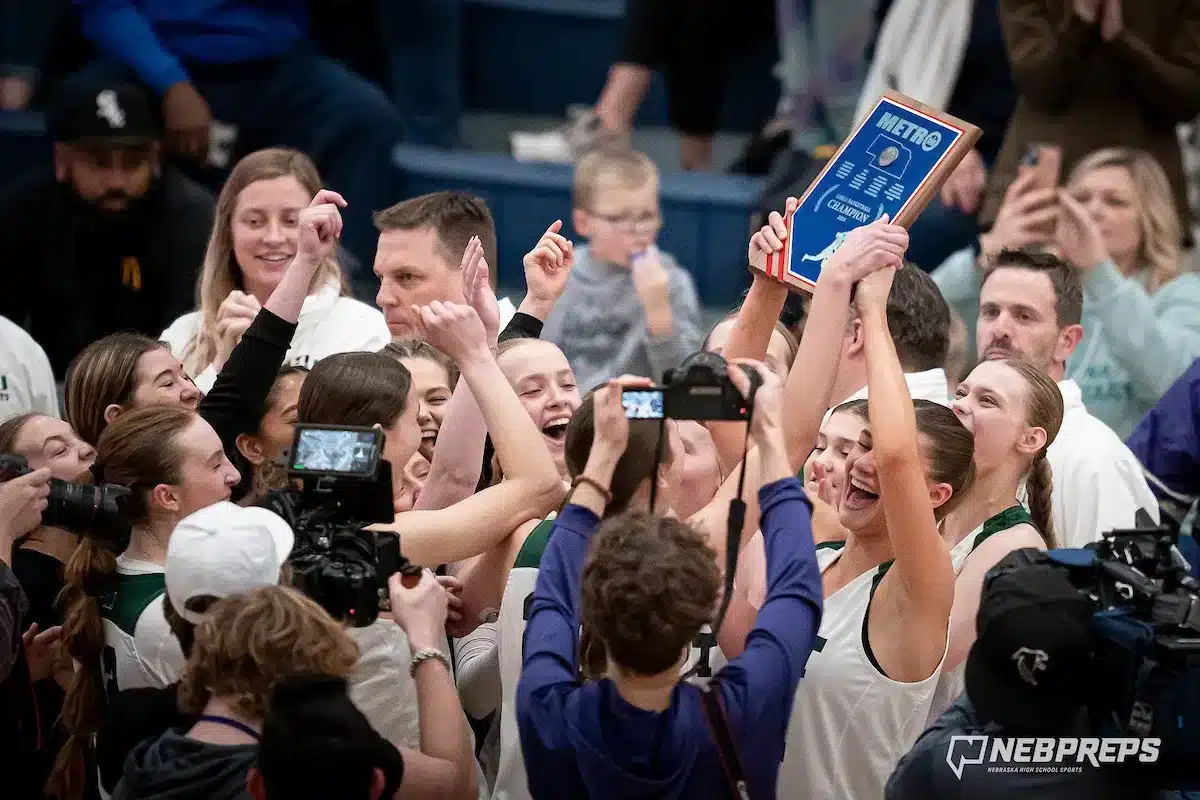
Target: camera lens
84, 508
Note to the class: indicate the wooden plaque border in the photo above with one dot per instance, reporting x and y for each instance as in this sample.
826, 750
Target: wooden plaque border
776, 266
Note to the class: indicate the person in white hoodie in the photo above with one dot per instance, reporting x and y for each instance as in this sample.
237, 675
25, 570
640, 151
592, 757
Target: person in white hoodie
253, 240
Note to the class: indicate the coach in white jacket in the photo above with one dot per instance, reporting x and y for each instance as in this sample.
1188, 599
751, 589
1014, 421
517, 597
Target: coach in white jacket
1030, 306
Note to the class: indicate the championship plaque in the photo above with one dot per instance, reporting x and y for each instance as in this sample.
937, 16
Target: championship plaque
892, 163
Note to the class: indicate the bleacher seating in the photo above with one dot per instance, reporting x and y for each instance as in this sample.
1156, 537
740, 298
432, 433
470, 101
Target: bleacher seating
706, 216
23, 143
539, 56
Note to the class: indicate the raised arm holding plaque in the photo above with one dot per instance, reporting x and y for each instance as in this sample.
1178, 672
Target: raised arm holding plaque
892, 163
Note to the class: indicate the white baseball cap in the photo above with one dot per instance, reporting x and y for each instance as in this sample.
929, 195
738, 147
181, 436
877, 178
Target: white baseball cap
225, 550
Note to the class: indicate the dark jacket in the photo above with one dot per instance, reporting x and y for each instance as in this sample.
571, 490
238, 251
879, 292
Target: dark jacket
173, 767
130, 718
19, 743
69, 282
1083, 94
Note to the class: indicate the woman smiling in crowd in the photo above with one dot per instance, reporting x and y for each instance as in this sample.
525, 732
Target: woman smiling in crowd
255, 237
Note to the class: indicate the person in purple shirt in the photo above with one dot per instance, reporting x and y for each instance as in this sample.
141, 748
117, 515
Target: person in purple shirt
248, 64
648, 585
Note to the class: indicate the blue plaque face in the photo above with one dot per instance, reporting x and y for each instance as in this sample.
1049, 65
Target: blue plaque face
878, 170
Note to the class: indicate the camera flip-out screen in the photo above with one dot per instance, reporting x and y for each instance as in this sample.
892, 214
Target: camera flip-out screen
341, 451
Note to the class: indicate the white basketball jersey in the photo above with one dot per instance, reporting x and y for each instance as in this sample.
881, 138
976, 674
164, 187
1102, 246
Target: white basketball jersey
952, 681
135, 588
511, 783
850, 723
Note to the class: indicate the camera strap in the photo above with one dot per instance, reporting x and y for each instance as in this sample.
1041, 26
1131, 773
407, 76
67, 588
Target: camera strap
733, 532
718, 725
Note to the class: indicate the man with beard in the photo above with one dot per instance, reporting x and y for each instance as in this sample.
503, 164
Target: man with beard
1030, 306
111, 239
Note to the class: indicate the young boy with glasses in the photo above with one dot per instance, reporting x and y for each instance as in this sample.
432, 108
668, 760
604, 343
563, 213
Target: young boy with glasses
628, 308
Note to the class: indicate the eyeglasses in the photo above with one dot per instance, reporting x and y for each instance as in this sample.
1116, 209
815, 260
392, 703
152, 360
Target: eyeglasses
640, 223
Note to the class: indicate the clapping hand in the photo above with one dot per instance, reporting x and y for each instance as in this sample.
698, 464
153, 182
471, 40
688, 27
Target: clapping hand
770, 237
420, 611
879, 246
454, 329
320, 227
234, 316
547, 267
1078, 237
456, 626
477, 289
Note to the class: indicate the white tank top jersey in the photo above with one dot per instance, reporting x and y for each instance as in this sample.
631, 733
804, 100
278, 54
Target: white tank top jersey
139, 649
511, 782
850, 723
952, 681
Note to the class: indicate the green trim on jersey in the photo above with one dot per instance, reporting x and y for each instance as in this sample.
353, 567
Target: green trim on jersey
830, 545
535, 544
127, 599
1010, 517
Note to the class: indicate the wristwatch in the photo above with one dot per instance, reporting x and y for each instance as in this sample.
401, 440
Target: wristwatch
424, 654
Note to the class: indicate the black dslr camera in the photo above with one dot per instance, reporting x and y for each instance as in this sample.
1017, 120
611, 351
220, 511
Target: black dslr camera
345, 485
700, 390
86, 509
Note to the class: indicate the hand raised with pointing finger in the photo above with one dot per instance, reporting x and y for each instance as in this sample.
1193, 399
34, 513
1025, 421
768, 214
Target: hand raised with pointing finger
548, 265
320, 226
454, 329
770, 237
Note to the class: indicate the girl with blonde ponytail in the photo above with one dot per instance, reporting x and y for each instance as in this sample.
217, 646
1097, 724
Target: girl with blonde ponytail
1014, 411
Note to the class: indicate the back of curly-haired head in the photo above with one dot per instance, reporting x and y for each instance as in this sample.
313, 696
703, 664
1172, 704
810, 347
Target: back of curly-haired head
650, 583
249, 642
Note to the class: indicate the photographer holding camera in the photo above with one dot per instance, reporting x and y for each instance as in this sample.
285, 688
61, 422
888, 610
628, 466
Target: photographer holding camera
643, 585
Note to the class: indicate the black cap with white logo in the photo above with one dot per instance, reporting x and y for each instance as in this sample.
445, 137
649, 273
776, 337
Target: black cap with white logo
1030, 667
94, 108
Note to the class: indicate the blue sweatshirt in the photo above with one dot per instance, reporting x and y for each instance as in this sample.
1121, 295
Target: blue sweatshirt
584, 740
156, 38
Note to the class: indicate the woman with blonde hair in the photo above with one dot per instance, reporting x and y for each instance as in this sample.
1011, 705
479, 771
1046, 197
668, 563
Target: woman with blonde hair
255, 235
1115, 222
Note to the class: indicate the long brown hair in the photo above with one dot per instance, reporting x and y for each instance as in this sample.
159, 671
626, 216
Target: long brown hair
102, 374
221, 273
951, 450
642, 452
1044, 409
412, 347
138, 450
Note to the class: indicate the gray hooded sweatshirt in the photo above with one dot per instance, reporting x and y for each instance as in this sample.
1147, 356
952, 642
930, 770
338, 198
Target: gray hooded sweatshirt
173, 767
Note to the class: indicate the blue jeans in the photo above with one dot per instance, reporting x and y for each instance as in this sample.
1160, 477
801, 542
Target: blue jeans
306, 101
